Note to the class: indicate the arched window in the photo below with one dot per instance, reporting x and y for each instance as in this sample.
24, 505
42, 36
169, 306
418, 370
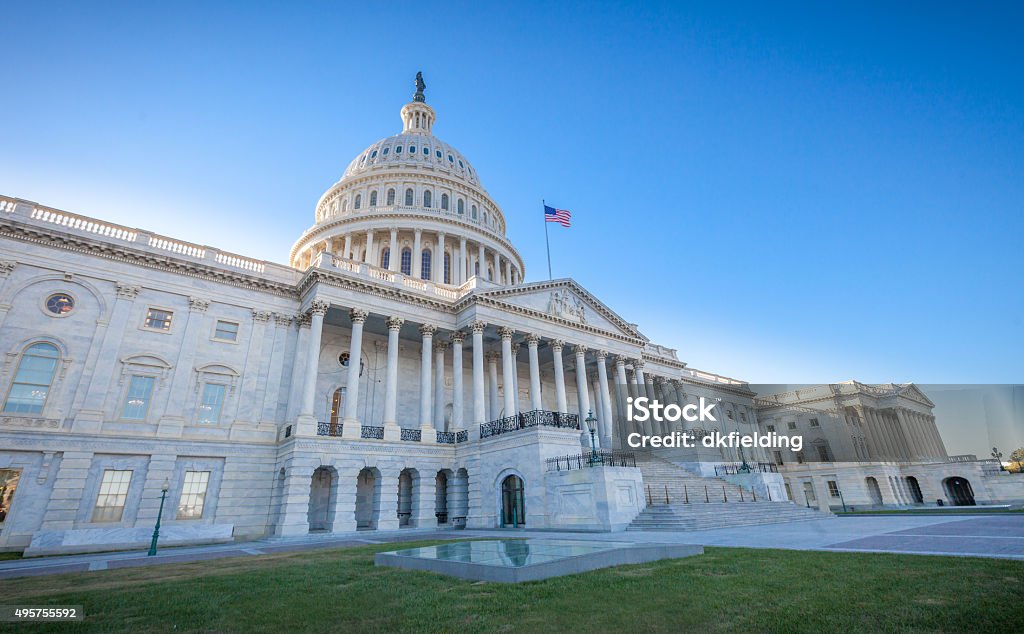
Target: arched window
373, 198
391, 197
33, 379
344, 205
385, 257
427, 199
461, 206
359, 201
444, 202
408, 197
490, 274
447, 268
407, 261
476, 268
337, 399
473, 212
425, 265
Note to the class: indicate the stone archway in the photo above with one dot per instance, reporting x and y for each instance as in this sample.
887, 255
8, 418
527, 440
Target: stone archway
915, 490
406, 485
443, 485
367, 499
959, 491
322, 489
513, 502
458, 496
874, 492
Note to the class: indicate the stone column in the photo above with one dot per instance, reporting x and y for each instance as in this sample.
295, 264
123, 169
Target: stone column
582, 395
641, 381
347, 250
515, 375
440, 347
387, 518
535, 397
463, 256
255, 362
355, 353
424, 500
417, 255
507, 368
482, 261
508, 271
426, 349
369, 247
479, 410
307, 421
492, 376
438, 261
606, 399
272, 393
497, 267
395, 256
458, 422
391, 429
173, 418
561, 403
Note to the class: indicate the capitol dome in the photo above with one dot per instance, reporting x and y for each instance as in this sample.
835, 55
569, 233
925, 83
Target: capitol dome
413, 204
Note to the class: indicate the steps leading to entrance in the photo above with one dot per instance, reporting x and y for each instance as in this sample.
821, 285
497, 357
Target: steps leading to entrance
698, 503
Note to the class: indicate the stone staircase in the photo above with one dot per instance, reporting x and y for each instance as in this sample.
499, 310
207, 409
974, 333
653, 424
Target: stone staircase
697, 503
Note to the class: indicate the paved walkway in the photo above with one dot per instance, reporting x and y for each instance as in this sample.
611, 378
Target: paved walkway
1000, 536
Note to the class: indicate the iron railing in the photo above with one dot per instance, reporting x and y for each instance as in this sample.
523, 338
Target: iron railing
412, 435
327, 429
446, 437
374, 433
461, 436
534, 418
586, 459
757, 467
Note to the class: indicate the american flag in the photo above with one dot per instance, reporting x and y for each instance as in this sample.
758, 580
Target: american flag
561, 216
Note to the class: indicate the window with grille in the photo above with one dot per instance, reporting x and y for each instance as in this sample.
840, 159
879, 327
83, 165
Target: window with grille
193, 495
112, 496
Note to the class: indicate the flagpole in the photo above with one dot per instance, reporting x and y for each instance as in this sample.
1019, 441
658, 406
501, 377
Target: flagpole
546, 240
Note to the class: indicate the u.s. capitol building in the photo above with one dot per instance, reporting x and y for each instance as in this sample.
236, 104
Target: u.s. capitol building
399, 372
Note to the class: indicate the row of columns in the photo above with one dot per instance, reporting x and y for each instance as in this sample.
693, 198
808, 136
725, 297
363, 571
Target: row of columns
462, 260
901, 434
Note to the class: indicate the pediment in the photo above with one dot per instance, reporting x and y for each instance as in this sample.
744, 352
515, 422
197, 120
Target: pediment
562, 301
914, 393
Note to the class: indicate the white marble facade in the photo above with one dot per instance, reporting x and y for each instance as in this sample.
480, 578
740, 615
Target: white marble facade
347, 390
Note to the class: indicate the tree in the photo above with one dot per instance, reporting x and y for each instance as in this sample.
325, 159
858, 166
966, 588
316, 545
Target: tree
1017, 457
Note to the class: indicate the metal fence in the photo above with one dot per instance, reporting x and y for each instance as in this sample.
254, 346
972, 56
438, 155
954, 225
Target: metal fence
591, 459
757, 467
534, 418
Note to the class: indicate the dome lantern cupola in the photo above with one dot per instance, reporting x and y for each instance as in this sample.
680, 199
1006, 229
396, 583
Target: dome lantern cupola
417, 116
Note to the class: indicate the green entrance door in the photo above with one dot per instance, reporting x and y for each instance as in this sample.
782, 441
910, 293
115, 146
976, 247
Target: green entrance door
513, 509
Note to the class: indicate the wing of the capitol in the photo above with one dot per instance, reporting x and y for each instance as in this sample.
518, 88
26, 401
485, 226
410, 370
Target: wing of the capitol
400, 372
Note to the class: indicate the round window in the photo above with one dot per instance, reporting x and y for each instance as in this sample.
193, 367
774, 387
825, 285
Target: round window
343, 358
60, 304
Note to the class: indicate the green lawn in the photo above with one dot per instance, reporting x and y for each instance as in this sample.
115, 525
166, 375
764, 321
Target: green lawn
726, 589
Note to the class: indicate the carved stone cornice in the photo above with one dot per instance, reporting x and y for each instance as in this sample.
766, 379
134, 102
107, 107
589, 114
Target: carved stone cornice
282, 320
394, 323
358, 315
6, 266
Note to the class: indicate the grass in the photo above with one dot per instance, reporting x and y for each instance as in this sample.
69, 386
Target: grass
6, 556
726, 589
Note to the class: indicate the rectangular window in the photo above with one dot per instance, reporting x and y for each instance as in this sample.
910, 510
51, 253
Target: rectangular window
743, 416
778, 456
136, 400
159, 319
771, 429
226, 331
823, 453
814, 422
8, 483
211, 402
193, 495
833, 488
791, 425
799, 457
112, 496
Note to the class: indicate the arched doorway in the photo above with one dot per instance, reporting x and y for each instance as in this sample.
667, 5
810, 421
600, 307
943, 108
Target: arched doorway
458, 507
405, 483
873, 491
513, 505
915, 490
321, 502
959, 491
441, 488
367, 499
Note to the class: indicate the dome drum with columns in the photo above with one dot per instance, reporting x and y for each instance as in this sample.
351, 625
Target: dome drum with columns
414, 204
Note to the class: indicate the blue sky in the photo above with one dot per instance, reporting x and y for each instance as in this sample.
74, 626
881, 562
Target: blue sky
786, 193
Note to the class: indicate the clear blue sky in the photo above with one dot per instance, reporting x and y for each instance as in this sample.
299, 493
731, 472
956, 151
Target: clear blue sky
783, 192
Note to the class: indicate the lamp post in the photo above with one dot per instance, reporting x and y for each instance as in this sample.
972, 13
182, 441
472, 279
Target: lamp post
590, 420
156, 529
998, 455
